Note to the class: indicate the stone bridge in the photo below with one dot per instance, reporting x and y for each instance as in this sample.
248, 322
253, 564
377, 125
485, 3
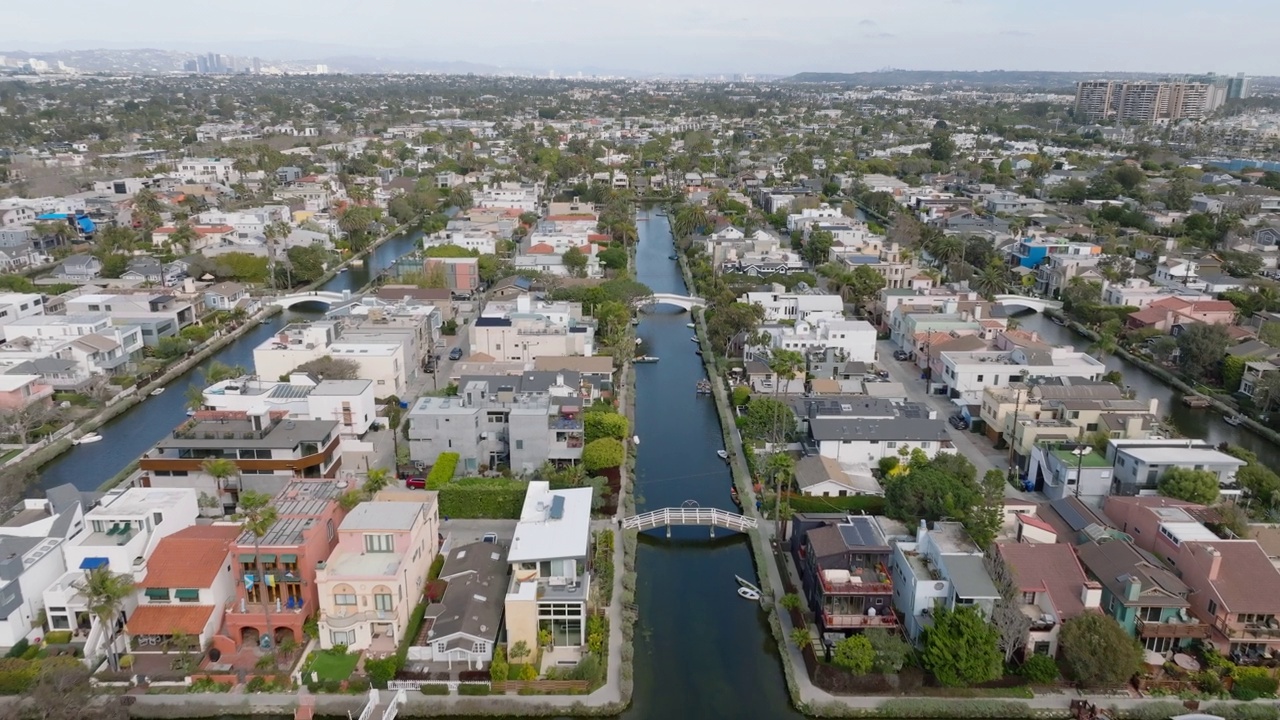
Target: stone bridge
323, 297
1031, 303
682, 301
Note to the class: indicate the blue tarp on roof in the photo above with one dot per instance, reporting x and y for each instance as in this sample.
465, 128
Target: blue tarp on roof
82, 221
93, 563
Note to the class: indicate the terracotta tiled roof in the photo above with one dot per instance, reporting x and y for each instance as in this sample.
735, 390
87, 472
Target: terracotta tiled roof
571, 218
1036, 522
190, 558
169, 619
541, 249
598, 237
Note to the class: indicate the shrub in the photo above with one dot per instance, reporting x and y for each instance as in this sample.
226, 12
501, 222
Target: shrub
442, 472
17, 675
18, 648
528, 673
257, 683
1155, 711
598, 425
909, 708
1039, 670
381, 671
498, 667
741, 394
357, 686
436, 566
434, 689
491, 498
58, 637
603, 453
1251, 683
31, 653
1251, 711
473, 689
1209, 682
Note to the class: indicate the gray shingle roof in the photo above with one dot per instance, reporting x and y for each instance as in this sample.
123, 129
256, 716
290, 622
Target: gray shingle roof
879, 429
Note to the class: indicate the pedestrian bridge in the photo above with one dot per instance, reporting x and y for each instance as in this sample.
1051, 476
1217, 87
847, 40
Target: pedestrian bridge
323, 297
1031, 303
682, 301
675, 516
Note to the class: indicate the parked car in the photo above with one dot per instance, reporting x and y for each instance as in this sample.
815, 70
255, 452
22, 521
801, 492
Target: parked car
958, 422
415, 483
490, 538
455, 354
901, 355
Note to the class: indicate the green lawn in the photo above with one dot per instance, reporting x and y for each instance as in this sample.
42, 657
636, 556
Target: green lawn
9, 453
330, 666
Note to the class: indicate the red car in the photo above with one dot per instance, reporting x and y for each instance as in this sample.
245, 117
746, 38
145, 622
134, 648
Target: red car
415, 483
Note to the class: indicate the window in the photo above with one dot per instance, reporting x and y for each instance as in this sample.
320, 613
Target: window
480, 647
891, 444
979, 378
157, 518
342, 637
1213, 607
1149, 614
383, 543
519, 444
382, 602
1029, 598
442, 647
344, 599
329, 529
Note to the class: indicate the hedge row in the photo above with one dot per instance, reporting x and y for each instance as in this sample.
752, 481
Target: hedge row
497, 498
871, 504
442, 472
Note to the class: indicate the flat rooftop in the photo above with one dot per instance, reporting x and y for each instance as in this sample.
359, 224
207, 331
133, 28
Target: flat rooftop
239, 433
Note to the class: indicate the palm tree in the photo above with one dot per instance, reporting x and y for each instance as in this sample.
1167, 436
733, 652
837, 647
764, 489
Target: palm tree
947, 250
993, 280
719, 198
256, 516
801, 637
220, 469
375, 480
105, 593
195, 396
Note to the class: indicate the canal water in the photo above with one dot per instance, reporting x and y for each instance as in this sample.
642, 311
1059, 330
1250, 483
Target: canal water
1190, 422
130, 434
701, 651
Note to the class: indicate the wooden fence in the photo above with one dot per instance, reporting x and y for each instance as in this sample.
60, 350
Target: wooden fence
542, 686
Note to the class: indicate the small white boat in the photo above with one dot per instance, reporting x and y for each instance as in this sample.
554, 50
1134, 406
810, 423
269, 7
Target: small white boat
87, 438
722, 454
690, 325
1059, 321
647, 359
157, 391
191, 413
635, 439
358, 262
1235, 420
743, 582
343, 270
638, 341
748, 594
693, 339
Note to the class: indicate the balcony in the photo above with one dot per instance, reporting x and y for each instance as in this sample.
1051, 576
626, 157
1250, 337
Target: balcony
853, 586
1248, 631
284, 606
1155, 629
340, 622
831, 620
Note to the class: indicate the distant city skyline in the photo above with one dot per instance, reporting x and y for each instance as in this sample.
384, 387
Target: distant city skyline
707, 37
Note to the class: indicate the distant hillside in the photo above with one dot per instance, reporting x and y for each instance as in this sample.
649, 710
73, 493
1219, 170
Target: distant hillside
989, 78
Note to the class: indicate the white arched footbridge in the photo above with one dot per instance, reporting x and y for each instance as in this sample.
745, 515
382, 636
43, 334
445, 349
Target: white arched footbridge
1030, 303
694, 515
316, 296
681, 301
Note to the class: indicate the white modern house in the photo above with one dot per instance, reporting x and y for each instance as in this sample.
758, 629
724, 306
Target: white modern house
31, 559
855, 339
942, 567
965, 374
781, 305
550, 583
350, 402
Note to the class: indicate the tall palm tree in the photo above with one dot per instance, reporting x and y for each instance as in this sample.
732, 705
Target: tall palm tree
993, 280
105, 593
194, 396
256, 516
375, 480
947, 250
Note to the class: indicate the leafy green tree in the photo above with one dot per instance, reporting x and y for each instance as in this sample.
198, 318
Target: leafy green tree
1261, 481
891, 651
1129, 177
817, 248
1197, 486
1099, 652
961, 648
854, 654
375, 480
308, 263
603, 453
941, 146
172, 347
766, 418
604, 424
1201, 347
330, 368
613, 258
575, 262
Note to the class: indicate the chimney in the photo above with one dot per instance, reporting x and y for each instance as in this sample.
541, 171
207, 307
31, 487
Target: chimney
1091, 594
1215, 562
977, 311
1132, 588
924, 528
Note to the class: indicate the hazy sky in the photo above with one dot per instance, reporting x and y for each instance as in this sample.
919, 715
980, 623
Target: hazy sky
696, 36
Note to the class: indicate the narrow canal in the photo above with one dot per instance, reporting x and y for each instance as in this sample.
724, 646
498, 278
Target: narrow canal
701, 651
135, 431
1192, 423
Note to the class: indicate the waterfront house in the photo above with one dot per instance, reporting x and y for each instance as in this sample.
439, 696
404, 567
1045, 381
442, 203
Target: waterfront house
1050, 588
185, 590
550, 583
224, 295
20, 391
845, 571
350, 402
120, 533
286, 557
462, 627
376, 574
942, 567
1143, 595
1170, 314
819, 476
267, 448
1139, 464
32, 534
